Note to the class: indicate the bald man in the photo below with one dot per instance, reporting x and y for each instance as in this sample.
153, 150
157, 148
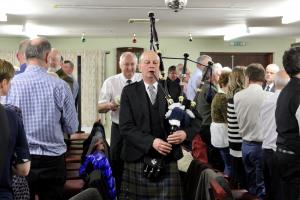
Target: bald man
48, 111
267, 119
271, 70
146, 136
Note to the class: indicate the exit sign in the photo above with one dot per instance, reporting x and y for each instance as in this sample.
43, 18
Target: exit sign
237, 43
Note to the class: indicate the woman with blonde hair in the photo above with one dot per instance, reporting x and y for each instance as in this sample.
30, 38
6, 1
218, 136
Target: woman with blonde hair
236, 83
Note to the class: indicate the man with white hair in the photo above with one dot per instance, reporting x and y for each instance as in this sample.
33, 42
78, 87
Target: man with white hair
203, 100
55, 63
271, 70
196, 77
109, 100
267, 119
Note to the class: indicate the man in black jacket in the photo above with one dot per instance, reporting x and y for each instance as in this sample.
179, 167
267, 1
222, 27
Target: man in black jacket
146, 134
287, 116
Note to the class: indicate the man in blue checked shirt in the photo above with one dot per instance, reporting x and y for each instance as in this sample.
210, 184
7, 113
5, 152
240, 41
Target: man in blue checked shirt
48, 111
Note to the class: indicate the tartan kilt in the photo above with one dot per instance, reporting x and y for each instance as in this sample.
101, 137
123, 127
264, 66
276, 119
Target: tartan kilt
136, 187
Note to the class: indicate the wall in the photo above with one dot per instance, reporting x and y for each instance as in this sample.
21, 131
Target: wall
176, 47
171, 47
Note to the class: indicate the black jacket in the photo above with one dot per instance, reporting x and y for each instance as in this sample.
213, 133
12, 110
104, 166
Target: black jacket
287, 125
135, 122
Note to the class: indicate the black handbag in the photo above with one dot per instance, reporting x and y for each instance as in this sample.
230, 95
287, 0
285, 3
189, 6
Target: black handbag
153, 167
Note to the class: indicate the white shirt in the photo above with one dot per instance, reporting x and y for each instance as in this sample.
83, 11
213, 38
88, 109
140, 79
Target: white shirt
147, 89
111, 91
193, 84
267, 119
247, 105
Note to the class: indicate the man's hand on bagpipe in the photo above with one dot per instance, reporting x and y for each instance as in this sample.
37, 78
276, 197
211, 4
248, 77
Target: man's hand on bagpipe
161, 146
177, 137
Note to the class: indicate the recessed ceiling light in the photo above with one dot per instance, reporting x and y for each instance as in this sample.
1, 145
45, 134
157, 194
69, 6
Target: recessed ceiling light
3, 17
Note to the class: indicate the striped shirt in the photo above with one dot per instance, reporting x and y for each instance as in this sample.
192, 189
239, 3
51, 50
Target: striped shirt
234, 137
48, 110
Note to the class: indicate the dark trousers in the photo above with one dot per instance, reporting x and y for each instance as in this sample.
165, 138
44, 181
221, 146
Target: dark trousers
238, 179
115, 153
47, 177
252, 158
213, 154
289, 172
271, 176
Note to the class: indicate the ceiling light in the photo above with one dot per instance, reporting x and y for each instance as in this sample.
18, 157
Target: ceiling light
290, 18
32, 30
176, 5
3, 17
11, 29
236, 31
29, 30
290, 12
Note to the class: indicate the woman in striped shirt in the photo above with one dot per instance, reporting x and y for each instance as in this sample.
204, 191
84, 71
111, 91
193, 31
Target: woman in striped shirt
235, 84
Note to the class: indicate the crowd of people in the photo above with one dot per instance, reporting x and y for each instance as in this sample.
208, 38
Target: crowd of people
248, 117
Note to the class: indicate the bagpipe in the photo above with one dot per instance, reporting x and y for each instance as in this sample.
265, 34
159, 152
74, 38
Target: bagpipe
179, 114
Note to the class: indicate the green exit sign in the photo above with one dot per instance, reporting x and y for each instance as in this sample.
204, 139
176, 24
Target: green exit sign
237, 43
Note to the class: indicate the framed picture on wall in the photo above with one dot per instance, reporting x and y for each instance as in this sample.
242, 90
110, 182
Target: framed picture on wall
136, 50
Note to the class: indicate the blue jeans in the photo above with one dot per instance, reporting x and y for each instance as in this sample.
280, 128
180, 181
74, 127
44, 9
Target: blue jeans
252, 158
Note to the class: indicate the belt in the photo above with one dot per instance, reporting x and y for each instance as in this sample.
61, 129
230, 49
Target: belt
285, 151
252, 142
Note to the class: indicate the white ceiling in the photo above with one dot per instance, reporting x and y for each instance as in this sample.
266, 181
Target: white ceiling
109, 18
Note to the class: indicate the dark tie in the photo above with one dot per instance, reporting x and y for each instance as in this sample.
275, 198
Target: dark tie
128, 82
268, 88
152, 93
